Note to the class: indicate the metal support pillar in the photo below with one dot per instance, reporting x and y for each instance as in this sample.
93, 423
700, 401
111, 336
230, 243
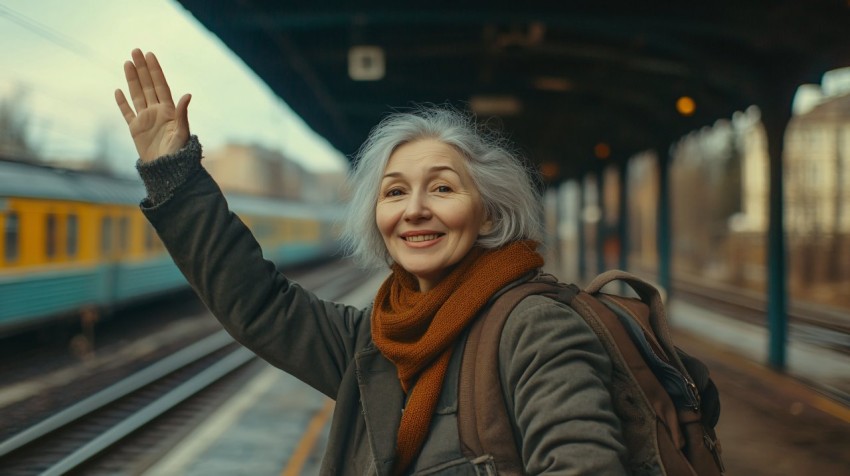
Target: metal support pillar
663, 231
623, 221
601, 231
556, 233
581, 246
775, 120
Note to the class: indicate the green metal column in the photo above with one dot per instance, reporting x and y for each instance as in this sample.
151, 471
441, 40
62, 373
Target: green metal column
623, 221
581, 246
774, 121
556, 233
601, 231
663, 231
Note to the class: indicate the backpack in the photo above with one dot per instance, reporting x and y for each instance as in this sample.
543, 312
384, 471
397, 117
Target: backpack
664, 398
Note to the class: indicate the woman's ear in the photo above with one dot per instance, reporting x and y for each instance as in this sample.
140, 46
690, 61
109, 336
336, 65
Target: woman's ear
486, 227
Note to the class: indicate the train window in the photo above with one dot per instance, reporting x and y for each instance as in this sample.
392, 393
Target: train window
71, 236
123, 233
51, 236
11, 232
106, 235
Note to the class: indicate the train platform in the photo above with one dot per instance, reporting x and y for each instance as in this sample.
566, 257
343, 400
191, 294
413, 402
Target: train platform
772, 423
795, 422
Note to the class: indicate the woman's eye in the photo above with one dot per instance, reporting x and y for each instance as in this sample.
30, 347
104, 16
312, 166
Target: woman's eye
393, 193
444, 189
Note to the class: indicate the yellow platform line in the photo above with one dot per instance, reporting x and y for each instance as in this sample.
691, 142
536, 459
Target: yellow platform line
308, 441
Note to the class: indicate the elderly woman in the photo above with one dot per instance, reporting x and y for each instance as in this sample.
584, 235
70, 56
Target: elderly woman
455, 216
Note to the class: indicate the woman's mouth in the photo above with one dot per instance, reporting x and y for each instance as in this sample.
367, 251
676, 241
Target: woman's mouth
420, 238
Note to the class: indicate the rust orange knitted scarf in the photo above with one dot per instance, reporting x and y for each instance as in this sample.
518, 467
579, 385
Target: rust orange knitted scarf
417, 331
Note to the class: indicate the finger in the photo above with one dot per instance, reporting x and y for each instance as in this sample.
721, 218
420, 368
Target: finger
163, 92
125, 108
183, 114
144, 77
135, 87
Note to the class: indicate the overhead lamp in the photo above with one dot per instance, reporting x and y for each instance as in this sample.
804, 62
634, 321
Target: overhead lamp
686, 106
553, 84
602, 151
549, 170
495, 105
366, 63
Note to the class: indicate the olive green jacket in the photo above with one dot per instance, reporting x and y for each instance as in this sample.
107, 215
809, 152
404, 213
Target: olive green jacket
555, 372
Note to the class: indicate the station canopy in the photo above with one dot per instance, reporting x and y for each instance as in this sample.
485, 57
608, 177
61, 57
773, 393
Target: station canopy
574, 84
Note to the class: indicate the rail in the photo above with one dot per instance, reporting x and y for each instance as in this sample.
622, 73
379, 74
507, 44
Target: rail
86, 430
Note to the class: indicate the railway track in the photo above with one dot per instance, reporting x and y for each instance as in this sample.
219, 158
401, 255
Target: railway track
818, 326
76, 434
96, 434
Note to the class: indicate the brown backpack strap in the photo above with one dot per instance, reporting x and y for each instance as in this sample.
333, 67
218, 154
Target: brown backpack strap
483, 422
625, 354
650, 295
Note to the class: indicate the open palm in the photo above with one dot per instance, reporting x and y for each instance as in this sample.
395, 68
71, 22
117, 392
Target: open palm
157, 126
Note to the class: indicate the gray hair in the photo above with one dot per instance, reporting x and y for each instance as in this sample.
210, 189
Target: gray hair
505, 185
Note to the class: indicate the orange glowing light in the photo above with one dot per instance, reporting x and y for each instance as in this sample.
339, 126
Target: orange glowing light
549, 170
686, 106
602, 150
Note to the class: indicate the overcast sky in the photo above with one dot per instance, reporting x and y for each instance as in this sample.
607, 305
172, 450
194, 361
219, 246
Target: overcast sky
68, 55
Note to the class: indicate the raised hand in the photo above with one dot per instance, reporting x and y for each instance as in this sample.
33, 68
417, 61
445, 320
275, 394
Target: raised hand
157, 126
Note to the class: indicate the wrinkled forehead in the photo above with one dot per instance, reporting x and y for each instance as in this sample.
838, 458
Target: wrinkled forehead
426, 150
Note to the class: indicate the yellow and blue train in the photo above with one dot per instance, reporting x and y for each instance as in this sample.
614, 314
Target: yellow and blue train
74, 242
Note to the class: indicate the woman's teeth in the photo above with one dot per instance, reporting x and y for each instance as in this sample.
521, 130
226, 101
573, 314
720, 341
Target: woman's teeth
422, 237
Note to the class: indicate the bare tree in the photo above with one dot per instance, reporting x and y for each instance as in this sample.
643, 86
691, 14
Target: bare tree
101, 161
15, 140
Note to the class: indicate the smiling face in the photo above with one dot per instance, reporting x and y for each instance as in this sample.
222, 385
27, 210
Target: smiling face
429, 212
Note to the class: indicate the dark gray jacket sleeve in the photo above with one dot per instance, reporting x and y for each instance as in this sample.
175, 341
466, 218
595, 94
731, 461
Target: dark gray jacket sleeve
286, 325
556, 376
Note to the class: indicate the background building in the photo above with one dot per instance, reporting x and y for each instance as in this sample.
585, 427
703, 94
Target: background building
256, 170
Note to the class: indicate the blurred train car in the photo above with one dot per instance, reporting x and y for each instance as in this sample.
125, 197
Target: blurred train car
73, 243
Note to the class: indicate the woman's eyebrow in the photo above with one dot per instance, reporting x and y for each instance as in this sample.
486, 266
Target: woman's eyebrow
431, 171
440, 168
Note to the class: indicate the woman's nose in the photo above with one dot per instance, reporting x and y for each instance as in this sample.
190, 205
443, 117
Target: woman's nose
417, 207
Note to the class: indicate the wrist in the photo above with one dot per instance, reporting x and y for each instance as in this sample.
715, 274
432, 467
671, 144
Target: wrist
164, 174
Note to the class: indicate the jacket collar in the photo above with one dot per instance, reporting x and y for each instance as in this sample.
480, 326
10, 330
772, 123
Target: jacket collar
382, 400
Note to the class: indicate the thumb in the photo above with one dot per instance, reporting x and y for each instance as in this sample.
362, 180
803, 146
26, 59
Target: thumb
182, 111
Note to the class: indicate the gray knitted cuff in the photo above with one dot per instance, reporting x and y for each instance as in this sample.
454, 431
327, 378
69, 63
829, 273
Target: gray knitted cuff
165, 174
